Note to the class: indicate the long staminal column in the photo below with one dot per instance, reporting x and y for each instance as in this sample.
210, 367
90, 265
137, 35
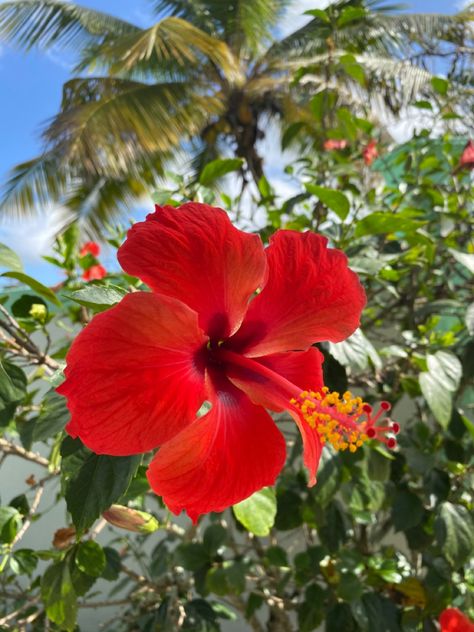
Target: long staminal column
345, 422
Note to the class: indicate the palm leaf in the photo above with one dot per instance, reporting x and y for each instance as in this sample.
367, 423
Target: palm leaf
243, 24
46, 23
34, 185
107, 124
377, 31
170, 43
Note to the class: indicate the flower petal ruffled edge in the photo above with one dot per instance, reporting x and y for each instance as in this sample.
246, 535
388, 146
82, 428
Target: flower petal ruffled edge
220, 459
311, 295
195, 254
134, 377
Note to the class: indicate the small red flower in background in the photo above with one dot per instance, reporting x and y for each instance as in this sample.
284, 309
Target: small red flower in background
452, 620
138, 373
370, 152
90, 248
332, 143
94, 273
467, 157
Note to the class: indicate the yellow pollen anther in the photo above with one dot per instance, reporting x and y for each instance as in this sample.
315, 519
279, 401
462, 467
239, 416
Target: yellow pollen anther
343, 421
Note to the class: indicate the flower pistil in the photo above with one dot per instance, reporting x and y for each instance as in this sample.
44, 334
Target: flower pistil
345, 422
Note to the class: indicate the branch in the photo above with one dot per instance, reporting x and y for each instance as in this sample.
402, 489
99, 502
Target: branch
22, 340
31, 513
10, 448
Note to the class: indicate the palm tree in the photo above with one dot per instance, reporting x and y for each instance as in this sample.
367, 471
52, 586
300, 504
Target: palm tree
206, 76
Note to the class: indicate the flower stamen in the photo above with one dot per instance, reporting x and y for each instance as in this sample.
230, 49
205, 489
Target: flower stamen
345, 422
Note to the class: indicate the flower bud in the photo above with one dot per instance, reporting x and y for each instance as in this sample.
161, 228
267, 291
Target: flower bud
131, 519
38, 312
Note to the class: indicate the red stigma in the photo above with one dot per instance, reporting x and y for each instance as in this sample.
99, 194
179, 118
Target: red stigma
385, 405
395, 427
371, 433
391, 443
367, 408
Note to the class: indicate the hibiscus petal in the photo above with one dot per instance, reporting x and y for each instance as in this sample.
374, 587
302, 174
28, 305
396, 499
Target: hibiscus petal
195, 254
304, 370
133, 377
220, 459
311, 295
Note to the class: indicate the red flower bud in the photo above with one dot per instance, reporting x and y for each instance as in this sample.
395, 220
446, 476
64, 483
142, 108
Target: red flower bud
94, 272
467, 156
90, 248
370, 152
332, 143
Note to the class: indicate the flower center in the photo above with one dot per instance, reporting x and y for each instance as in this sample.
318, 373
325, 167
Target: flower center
345, 422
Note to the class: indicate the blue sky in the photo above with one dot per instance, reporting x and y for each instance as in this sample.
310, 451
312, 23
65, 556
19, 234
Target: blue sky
31, 93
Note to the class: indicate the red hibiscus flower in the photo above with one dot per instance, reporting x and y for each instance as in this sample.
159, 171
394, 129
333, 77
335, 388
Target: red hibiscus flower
332, 143
94, 272
138, 373
370, 152
467, 157
452, 620
90, 248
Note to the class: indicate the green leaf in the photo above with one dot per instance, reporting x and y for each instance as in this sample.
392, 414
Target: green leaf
440, 85
214, 537
98, 297
59, 596
407, 510
352, 68
454, 528
52, 418
437, 396
35, 285
469, 319
355, 352
99, 483
447, 367
265, 188
310, 612
319, 13
335, 200
90, 558
113, 564
257, 513
380, 222
466, 259
12, 384
22, 307
439, 382
218, 168
351, 14
10, 521
9, 259
192, 556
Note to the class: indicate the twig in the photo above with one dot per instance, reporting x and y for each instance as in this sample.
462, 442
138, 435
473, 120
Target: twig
23, 340
15, 613
11, 448
104, 604
98, 528
31, 513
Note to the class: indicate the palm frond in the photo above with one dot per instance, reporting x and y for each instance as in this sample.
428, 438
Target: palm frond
379, 31
243, 24
171, 43
34, 185
107, 124
46, 23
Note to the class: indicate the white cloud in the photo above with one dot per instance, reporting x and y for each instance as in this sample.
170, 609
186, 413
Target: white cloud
295, 18
32, 237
